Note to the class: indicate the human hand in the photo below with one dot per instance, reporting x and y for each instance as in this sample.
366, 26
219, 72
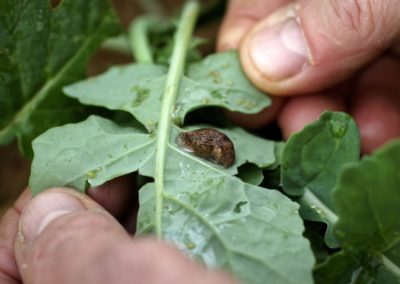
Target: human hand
65, 237
342, 54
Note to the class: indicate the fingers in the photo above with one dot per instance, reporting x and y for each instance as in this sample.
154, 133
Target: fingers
8, 232
61, 224
66, 238
240, 17
116, 195
376, 104
302, 110
258, 120
311, 44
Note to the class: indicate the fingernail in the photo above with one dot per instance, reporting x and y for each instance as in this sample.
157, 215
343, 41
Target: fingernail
45, 208
279, 51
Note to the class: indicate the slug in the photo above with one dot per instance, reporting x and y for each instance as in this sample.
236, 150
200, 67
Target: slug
209, 144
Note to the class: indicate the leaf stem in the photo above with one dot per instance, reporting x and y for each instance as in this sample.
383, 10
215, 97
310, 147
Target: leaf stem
390, 265
139, 40
316, 204
118, 44
182, 39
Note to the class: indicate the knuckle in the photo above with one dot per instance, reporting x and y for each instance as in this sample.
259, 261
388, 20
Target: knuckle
357, 15
363, 21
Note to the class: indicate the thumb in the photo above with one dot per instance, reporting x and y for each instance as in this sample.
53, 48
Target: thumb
60, 233
67, 238
311, 44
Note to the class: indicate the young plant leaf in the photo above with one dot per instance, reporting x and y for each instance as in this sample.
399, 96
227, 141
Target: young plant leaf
138, 89
339, 268
311, 162
41, 50
367, 199
343, 268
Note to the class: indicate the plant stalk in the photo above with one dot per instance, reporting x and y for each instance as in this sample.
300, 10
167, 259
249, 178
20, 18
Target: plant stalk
139, 40
312, 201
118, 44
182, 39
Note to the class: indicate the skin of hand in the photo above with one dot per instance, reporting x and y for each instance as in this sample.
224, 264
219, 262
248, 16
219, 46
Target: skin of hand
313, 55
62, 236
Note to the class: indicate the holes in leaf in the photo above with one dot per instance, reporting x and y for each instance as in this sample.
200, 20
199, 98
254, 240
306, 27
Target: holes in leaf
238, 207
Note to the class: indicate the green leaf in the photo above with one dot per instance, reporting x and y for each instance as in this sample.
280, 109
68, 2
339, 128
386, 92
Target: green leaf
367, 199
93, 151
340, 268
42, 49
51, 113
279, 147
110, 150
218, 80
223, 222
134, 88
250, 173
311, 162
138, 89
219, 220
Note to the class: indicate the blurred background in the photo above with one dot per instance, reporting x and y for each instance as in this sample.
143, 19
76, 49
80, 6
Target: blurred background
14, 169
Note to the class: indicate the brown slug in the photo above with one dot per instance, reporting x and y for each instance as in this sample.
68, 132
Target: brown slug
209, 144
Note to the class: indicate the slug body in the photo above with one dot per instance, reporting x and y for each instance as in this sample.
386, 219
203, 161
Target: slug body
209, 144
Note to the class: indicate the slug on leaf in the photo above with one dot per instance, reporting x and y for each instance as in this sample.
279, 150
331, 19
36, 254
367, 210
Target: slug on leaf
209, 144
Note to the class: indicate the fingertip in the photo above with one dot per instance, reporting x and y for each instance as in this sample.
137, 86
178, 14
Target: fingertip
302, 110
46, 207
375, 104
116, 195
239, 19
67, 231
378, 118
257, 120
